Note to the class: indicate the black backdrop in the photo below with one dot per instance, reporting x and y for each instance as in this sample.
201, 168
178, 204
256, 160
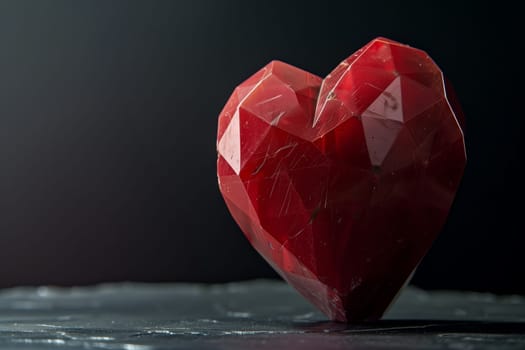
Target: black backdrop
108, 120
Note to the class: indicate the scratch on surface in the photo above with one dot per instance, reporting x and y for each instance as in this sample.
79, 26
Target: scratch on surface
288, 205
295, 235
326, 199
389, 97
374, 86
286, 200
269, 100
275, 180
265, 158
278, 169
275, 120
354, 93
296, 161
291, 145
260, 166
267, 155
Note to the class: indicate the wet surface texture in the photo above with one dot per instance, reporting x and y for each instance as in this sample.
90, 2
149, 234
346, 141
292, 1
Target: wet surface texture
257, 314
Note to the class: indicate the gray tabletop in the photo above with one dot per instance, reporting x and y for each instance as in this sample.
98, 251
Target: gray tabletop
256, 314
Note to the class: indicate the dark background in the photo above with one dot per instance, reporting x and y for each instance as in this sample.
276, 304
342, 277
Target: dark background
108, 117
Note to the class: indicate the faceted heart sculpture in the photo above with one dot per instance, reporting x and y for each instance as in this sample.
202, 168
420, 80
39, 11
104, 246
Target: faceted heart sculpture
343, 183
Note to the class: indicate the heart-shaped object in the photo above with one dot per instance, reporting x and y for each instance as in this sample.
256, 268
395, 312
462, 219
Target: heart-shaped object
343, 183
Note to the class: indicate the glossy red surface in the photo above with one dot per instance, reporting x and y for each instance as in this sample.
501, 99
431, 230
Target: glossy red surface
342, 184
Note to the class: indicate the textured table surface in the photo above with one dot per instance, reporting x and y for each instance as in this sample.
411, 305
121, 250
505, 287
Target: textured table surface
257, 314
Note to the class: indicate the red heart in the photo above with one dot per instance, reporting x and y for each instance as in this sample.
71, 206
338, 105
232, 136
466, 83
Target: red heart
342, 184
